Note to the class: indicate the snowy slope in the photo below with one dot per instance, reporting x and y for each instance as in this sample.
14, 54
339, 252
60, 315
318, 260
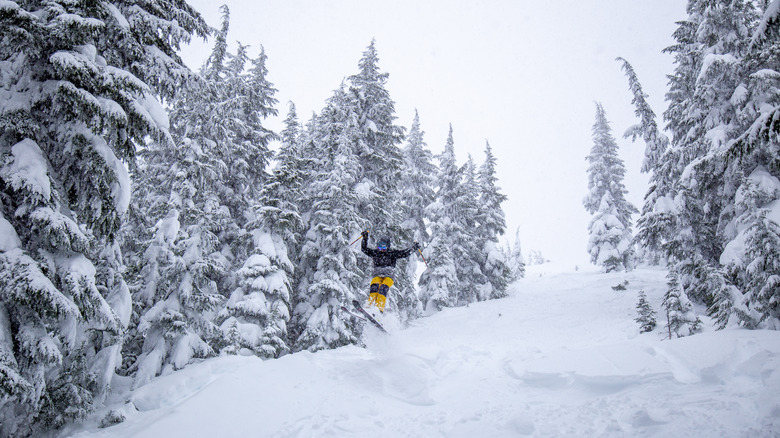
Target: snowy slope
561, 356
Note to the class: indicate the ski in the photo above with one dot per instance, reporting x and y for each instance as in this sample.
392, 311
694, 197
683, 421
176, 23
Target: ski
367, 315
353, 314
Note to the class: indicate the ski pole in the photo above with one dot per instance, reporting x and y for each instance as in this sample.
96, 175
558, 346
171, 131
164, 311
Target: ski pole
423, 257
353, 242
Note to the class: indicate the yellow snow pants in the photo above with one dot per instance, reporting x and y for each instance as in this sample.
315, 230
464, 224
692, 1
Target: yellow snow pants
378, 292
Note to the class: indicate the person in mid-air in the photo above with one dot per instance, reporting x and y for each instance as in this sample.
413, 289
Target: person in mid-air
384, 268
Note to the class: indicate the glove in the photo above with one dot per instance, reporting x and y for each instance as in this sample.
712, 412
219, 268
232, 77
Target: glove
416, 246
364, 234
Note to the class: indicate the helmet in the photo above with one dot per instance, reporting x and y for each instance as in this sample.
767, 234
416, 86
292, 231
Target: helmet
383, 243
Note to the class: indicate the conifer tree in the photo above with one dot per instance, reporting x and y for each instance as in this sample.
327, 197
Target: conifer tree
439, 282
329, 271
750, 172
492, 224
651, 231
535, 257
656, 143
257, 314
200, 188
645, 314
419, 179
714, 98
417, 192
250, 151
381, 162
678, 309
81, 84
467, 249
705, 120
516, 260
377, 148
751, 257
763, 269
610, 228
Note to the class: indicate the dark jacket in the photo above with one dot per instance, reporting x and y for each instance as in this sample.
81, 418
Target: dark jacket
384, 261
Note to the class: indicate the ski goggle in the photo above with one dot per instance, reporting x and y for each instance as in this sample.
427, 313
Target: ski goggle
381, 246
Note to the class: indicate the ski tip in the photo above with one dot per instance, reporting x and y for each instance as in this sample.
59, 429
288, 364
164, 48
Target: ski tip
356, 303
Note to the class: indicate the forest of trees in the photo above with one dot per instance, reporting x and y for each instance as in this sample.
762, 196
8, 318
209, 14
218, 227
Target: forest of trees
147, 220
712, 209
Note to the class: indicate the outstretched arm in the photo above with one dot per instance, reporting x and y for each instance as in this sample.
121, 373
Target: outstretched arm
364, 245
408, 251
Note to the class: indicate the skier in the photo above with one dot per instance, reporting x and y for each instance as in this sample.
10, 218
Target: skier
384, 268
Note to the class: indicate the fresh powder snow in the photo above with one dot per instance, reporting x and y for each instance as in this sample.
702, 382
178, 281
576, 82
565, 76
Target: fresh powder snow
561, 356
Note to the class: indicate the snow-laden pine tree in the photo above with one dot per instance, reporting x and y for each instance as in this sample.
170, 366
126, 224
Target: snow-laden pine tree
179, 264
610, 243
750, 171
681, 320
650, 226
250, 96
656, 142
418, 179
197, 189
705, 121
535, 257
515, 258
722, 95
751, 258
492, 224
258, 311
329, 275
645, 314
80, 83
439, 285
377, 144
467, 250
381, 162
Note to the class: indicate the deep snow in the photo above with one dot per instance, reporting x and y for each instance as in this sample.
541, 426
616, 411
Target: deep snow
562, 356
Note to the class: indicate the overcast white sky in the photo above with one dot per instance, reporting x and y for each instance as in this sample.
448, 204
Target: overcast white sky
524, 75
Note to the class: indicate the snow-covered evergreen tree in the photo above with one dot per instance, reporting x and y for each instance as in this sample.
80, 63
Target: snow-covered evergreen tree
516, 259
200, 188
651, 223
329, 275
80, 83
419, 178
763, 268
750, 174
705, 120
645, 314
473, 284
252, 95
439, 285
381, 162
417, 192
722, 95
377, 144
258, 311
751, 257
610, 228
492, 224
535, 257
656, 142
681, 320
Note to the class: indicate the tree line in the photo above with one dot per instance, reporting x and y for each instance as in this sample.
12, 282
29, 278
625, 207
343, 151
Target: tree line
146, 221
712, 209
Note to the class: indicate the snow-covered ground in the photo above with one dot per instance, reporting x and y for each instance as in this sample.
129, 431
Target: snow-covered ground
561, 357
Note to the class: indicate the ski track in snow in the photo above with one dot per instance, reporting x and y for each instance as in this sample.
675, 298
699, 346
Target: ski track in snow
561, 357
